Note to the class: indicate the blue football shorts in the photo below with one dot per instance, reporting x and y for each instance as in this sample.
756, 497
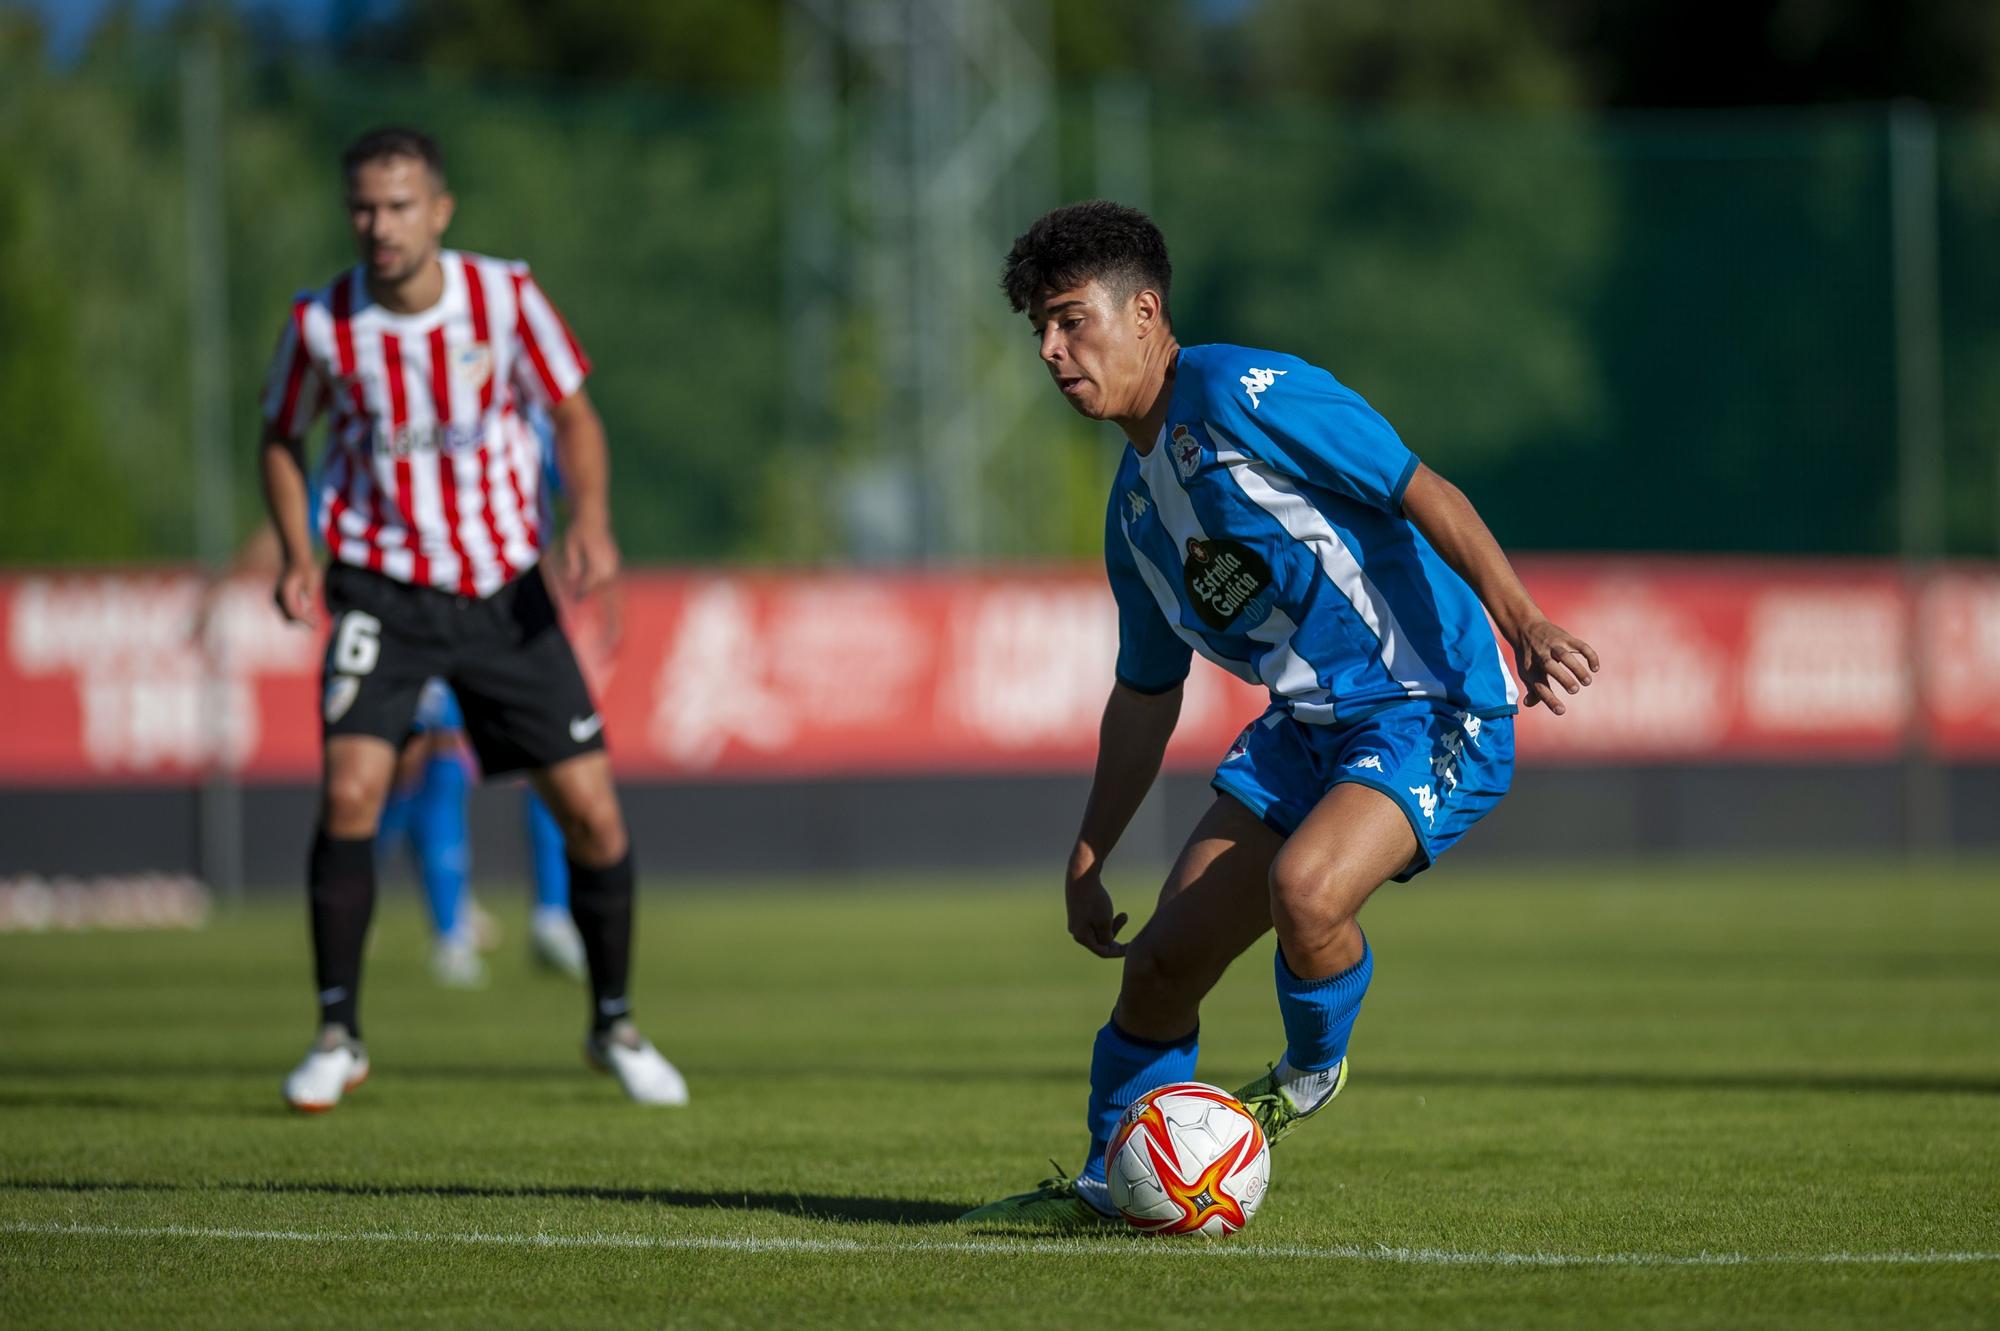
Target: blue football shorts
1444, 768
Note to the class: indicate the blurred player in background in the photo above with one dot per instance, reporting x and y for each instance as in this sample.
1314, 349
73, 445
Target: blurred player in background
428, 812
1265, 516
423, 358
428, 809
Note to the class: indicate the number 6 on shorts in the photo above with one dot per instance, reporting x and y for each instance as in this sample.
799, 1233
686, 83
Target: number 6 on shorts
357, 646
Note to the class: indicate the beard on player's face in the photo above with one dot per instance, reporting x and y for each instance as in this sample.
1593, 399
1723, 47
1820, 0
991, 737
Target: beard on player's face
399, 214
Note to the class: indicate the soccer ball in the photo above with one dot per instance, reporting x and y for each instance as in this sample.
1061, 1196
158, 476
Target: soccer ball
1188, 1159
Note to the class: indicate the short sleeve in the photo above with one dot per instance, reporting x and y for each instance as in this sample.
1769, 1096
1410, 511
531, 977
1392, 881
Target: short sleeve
1152, 658
1309, 424
548, 363
294, 388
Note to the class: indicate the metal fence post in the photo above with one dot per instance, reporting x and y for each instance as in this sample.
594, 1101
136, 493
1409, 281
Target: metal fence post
220, 828
1913, 204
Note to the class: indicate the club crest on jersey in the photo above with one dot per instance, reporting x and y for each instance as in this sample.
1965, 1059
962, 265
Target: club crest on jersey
473, 365
1221, 578
1186, 450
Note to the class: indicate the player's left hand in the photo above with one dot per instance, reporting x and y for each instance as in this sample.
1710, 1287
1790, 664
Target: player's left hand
590, 557
1550, 660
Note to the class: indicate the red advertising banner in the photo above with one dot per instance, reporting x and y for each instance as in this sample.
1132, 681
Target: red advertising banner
112, 677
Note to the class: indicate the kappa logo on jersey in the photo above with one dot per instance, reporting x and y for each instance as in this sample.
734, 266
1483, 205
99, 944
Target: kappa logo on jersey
1186, 450
1471, 724
1369, 763
1426, 802
1259, 381
1222, 577
1138, 504
473, 365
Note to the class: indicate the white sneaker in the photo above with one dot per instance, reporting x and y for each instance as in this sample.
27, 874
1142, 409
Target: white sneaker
455, 964
646, 1076
486, 930
554, 942
335, 1065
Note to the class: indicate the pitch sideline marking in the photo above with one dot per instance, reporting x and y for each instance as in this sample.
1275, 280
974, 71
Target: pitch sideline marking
1001, 1247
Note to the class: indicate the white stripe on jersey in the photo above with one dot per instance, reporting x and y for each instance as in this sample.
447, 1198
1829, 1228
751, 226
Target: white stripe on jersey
442, 497
1289, 675
1277, 497
1170, 606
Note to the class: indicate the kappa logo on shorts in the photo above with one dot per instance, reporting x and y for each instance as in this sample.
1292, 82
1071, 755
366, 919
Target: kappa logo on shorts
1186, 450
1370, 762
341, 691
1426, 802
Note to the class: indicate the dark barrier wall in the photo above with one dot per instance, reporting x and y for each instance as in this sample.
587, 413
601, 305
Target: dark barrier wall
1026, 822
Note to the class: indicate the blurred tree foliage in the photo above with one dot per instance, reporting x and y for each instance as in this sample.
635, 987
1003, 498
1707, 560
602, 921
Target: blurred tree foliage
1619, 330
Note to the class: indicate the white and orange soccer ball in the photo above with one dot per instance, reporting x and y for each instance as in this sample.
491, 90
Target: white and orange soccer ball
1188, 1159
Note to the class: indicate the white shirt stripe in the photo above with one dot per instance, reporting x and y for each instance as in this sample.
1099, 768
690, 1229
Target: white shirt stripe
1277, 496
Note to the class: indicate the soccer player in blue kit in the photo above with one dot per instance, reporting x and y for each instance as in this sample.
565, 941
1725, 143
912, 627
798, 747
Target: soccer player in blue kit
1267, 517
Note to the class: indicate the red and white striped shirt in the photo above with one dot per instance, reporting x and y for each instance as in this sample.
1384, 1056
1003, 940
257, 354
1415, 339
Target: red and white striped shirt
431, 476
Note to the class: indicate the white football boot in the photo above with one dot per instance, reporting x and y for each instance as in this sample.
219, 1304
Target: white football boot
455, 964
554, 942
335, 1065
646, 1076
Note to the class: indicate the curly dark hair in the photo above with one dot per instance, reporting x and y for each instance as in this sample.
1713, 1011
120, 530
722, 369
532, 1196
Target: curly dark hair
1118, 246
391, 141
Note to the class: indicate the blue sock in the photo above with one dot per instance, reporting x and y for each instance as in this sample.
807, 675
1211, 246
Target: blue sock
1123, 1068
395, 822
545, 847
443, 845
1319, 1014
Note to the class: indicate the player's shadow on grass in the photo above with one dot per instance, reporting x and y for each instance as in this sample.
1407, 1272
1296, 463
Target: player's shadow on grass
806, 1206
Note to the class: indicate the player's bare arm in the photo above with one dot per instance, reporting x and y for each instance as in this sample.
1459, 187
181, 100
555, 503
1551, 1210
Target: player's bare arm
297, 591
1131, 742
1549, 657
590, 554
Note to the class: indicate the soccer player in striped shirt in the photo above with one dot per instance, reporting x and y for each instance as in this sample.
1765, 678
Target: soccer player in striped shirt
423, 360
1266, 517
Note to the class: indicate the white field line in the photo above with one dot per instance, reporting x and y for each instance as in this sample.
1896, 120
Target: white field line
1005, 1248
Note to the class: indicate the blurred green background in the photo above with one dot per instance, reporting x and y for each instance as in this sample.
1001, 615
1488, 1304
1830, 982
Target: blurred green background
1547, 240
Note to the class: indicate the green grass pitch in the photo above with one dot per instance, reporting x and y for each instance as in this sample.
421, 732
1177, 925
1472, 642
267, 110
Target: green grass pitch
1638, 1098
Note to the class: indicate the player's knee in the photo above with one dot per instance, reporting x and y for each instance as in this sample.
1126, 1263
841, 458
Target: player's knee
1308, 900
594, 829
352, 803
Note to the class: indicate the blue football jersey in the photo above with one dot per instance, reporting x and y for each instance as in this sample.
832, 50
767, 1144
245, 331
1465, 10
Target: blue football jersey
1265, 530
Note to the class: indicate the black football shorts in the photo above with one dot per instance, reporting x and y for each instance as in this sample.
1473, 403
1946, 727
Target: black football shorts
505, 656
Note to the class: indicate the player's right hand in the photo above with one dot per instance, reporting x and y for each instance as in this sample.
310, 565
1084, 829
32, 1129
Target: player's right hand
1092, 922
297, 593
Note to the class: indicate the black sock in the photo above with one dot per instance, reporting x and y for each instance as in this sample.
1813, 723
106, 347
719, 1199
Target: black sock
600, 901
340, 882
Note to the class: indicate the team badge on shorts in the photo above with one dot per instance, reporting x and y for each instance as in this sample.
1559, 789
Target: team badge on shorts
341, 691
1186, 451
